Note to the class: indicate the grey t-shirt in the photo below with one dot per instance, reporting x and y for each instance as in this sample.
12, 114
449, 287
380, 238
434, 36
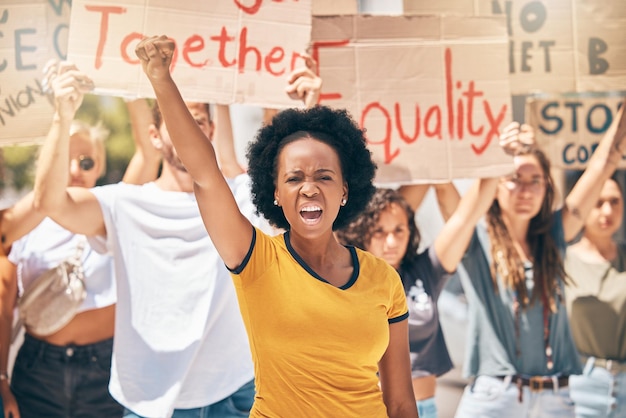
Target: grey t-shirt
491, 341
423, 280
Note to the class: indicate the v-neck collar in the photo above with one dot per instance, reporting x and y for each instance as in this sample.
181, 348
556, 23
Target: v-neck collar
304, 265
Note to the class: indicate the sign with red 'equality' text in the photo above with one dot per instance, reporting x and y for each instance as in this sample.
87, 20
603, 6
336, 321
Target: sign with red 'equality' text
431, 91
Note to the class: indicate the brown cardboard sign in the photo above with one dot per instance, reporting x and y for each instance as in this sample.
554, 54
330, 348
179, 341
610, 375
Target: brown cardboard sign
569, 128
31, 33
431, 91
228, 51
555, 46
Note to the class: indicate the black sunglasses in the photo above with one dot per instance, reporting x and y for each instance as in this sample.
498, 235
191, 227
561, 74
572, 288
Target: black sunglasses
86, 163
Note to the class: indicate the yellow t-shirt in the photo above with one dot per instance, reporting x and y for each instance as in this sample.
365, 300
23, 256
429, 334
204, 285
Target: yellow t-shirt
316, 347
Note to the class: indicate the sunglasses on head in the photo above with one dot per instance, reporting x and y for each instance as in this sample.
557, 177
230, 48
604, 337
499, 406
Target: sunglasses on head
86, 163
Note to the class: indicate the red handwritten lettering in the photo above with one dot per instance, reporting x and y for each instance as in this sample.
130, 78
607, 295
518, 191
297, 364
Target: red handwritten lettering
223, 38
461, 106
128, 39
315, 54
493, 123
416, 132
276, 55
386, 141
251, 10
244, 49
194, 43
448, 64
104, 27
436, 112
459, 113
471, 93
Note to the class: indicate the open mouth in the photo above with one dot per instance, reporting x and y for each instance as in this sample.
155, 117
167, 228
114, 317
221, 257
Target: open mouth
311, 214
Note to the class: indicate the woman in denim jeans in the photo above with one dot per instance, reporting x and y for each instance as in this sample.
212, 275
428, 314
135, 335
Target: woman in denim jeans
65, 373
521, 351
596, 302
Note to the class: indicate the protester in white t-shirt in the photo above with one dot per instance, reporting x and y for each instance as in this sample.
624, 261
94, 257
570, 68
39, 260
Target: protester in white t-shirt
180, 342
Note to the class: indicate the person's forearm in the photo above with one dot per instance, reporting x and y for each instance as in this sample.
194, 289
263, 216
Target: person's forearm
52, 174
448, 199
603, 162
225, 143
144, 164
414, 194
18, 220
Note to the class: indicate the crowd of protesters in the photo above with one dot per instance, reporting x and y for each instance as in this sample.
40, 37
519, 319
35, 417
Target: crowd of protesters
294, 287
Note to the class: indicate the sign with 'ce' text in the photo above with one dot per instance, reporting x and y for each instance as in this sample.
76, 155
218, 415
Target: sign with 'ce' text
31, 33
432, 92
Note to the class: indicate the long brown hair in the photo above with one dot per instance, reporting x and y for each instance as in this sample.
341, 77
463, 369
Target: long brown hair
547, 261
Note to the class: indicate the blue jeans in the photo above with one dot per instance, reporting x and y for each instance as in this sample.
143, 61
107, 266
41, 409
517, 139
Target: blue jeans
237, 405
63, 381
427, 408
598, 392
492, 397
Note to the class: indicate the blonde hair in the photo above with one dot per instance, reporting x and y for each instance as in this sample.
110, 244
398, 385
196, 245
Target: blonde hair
97, 134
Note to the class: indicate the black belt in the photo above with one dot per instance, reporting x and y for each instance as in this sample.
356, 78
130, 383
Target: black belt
537, 383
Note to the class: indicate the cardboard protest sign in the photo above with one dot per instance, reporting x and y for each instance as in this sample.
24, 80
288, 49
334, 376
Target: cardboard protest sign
601, 51
432, 92
555, 46
31, 33
569, 128
228, 51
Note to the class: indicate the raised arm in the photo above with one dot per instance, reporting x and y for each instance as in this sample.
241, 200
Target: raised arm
76, 209
414, 194
601, 165
448, 199
451, 243
225, 143
454, 237
144, 164
230, 231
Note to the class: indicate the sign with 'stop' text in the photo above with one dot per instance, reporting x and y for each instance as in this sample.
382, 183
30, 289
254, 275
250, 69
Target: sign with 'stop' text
555, 46
432, 92
31, 33
569, 128
227, 51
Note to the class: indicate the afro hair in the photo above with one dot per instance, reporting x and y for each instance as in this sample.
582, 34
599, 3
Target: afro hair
334, 127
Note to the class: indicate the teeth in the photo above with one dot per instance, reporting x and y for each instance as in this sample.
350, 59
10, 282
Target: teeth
310, 209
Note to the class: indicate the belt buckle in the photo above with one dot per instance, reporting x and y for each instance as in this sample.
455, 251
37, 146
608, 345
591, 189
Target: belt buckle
535, 383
